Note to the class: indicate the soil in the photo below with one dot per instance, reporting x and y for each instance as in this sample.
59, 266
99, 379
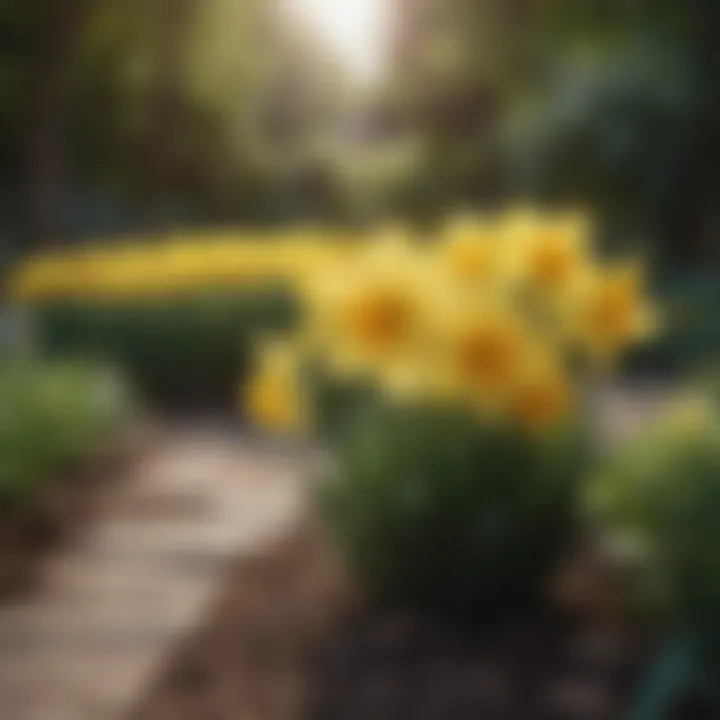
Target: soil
29, 534
289, 639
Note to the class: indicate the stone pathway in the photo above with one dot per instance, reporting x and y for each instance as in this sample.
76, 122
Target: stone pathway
114, 604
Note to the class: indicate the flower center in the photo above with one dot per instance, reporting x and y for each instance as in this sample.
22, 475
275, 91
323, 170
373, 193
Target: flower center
488, 356
380, 320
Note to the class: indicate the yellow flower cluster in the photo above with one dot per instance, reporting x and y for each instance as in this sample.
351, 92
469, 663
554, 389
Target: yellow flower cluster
162, 266
494, 313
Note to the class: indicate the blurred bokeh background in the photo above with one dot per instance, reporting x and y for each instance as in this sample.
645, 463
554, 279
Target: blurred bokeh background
134, 113
150, 115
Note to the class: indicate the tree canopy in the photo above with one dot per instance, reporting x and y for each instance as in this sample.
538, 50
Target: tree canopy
144, 112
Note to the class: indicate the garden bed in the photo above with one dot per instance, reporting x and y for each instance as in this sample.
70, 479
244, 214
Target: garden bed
62, 508
289, 639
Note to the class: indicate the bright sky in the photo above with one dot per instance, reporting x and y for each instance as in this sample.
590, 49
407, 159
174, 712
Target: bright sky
354, 29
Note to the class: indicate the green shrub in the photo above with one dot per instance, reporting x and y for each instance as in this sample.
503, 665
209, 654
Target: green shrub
177, 350
438, 510
51, 417
659, 501
659, 498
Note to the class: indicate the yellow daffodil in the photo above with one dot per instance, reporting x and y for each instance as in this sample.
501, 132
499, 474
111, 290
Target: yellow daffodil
45, 277
469, 251
369, 314
612, 312
273, 397
377, 319
541, 397
548, 252
312, 265
484, 352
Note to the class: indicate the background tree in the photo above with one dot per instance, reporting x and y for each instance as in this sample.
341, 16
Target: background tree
137, 114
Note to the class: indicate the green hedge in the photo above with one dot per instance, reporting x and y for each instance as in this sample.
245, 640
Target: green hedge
658, 499
52, 416
179, 351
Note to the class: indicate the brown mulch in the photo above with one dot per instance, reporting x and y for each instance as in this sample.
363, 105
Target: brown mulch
250, 659
289, 640
28, 535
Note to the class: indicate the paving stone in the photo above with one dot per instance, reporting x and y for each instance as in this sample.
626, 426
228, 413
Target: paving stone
115, 603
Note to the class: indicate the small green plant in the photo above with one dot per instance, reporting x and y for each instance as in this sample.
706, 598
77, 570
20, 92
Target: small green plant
436, 509
51, 417
659, 503
660, 500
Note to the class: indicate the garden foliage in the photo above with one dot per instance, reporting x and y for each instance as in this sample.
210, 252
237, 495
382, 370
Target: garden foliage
52, 416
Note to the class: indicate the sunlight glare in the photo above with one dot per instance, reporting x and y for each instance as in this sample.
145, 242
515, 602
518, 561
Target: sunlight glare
353, 29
